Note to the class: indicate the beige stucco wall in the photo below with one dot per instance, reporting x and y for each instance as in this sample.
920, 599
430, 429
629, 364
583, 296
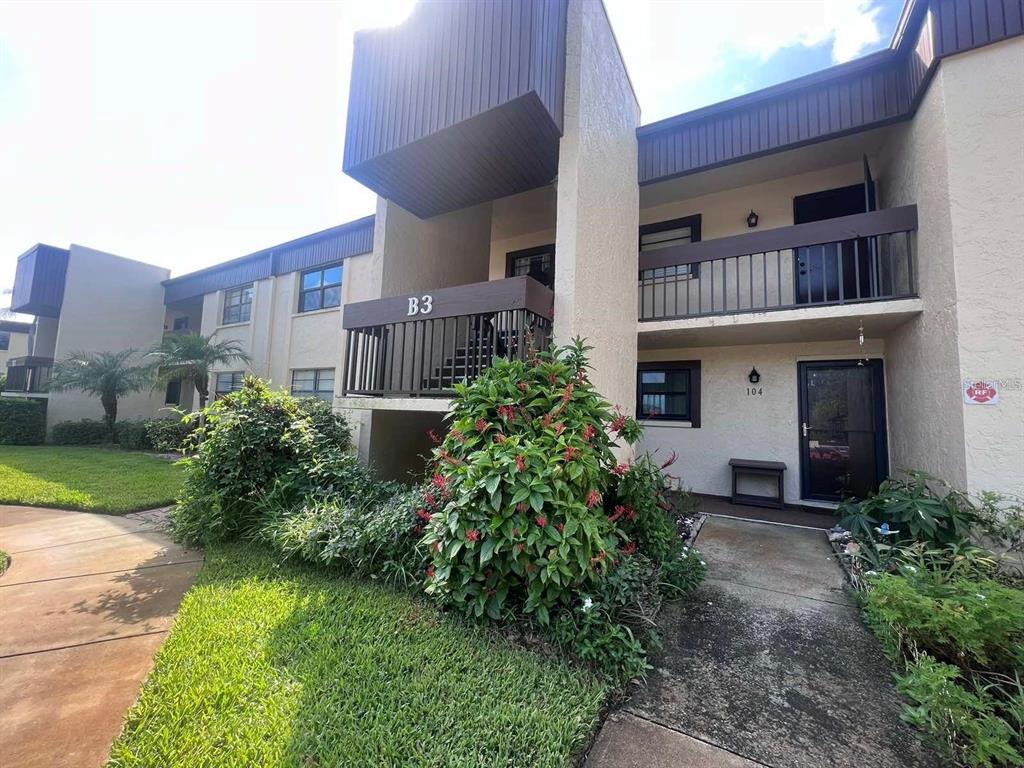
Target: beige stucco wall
735, 424
44, 341
110, 304
598, 204
983, 92
17, 348
526, 220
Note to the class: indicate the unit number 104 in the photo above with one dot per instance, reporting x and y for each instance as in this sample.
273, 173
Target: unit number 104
755, 391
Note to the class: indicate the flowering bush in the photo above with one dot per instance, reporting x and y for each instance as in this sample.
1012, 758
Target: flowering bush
529, 512
517, 500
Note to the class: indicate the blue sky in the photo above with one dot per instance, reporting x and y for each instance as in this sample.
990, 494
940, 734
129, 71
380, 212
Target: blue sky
184, 134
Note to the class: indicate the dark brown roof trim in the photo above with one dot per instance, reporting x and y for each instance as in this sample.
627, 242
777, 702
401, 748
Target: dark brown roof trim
876, 90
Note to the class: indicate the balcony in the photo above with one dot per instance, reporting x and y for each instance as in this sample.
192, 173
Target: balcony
28, 375
421, 345
867, 257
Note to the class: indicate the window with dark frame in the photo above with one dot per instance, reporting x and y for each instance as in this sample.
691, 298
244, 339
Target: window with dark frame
225, 383
181, 323
538, 263
314, 382
172, 395
5, 339
320, 289
669, 391
664, 234
237, 305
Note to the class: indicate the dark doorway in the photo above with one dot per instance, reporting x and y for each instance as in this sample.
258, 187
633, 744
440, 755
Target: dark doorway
834, 272
843, 451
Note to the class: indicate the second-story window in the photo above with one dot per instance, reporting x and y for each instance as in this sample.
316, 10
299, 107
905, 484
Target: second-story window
538, 263
321, 289
5, 340
665, 234
238, 304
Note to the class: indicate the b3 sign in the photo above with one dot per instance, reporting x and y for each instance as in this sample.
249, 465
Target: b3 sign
422, 305
981, 392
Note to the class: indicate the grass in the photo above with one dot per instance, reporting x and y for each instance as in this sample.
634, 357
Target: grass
91, 479
289, 665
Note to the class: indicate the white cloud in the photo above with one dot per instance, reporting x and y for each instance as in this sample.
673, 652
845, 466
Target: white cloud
674, 49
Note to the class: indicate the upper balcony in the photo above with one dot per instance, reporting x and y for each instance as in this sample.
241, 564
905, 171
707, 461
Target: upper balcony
39, 281
28, 375
421, 345
845, 260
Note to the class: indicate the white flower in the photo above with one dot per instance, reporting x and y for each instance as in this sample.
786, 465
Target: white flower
979, 596
587, 604
702, 562
910, 568
871, 573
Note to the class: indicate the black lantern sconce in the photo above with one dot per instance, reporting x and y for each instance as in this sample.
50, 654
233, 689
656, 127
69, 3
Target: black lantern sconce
753, 377
752, 219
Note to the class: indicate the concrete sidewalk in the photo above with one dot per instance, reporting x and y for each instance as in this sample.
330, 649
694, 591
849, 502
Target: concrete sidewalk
768, 664
84, 606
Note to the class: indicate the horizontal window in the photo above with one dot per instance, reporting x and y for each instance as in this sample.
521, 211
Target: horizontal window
314, 382
665, 234
228, 382
669, 391
238, 305
321, 289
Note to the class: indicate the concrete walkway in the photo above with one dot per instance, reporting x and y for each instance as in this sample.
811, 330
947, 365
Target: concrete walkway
768, 664
84, 606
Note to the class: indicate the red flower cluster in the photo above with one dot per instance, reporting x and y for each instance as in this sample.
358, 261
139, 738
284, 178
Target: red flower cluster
417, 530
560, 527
423, 515
588, 432
521, 507
672, 458
522, 386
619, 422
547, 420
542, 521
507, 412
620, 469
571, 453
515, 531
434, 437
593, 499
500, 438
456, 434
441, 483
552, 378
629, 549
455, 462
482, 425
473, 534
568, 393
430, 571
617, 513
520, 462
559, 428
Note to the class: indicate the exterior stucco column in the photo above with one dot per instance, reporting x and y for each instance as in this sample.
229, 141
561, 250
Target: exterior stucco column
598, 204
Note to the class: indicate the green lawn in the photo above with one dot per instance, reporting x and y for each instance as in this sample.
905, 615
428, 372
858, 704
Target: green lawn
290, 665
91, 479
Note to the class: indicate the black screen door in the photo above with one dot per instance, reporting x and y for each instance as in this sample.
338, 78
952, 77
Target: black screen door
842, 431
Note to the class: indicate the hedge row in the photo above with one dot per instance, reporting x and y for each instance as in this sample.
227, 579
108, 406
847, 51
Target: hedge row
22, 421
163, 435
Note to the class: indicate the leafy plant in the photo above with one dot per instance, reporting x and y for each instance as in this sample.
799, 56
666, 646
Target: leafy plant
257, 447
22, 421
106, 375
965, 725
170, 435
518, 522
191, 357
83, 432
132, 436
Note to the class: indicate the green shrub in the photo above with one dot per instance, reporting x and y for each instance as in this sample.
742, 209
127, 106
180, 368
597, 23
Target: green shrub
519, 522
376, 537
965, 725
84, 432
970, 623
132, 436
260, 449
169, 435
22, 421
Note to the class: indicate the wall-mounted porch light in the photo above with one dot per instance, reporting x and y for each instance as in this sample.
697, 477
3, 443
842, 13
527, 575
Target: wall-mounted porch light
753, 377
752, 218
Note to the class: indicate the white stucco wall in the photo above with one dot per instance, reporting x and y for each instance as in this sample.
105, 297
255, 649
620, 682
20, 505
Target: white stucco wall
110, 304
598, 204
735, 424
983, 92
44, 340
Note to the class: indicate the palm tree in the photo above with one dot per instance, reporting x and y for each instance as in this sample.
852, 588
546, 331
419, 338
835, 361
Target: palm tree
189, 357
108, 375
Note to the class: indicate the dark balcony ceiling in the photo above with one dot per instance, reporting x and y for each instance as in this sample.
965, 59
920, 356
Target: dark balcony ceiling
460, 104
39, 281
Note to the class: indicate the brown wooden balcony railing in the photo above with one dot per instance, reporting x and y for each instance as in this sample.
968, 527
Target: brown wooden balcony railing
423, 344
849, 259
29, 375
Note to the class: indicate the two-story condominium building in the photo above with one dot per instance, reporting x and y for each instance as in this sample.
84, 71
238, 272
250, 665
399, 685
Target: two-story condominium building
824, 274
